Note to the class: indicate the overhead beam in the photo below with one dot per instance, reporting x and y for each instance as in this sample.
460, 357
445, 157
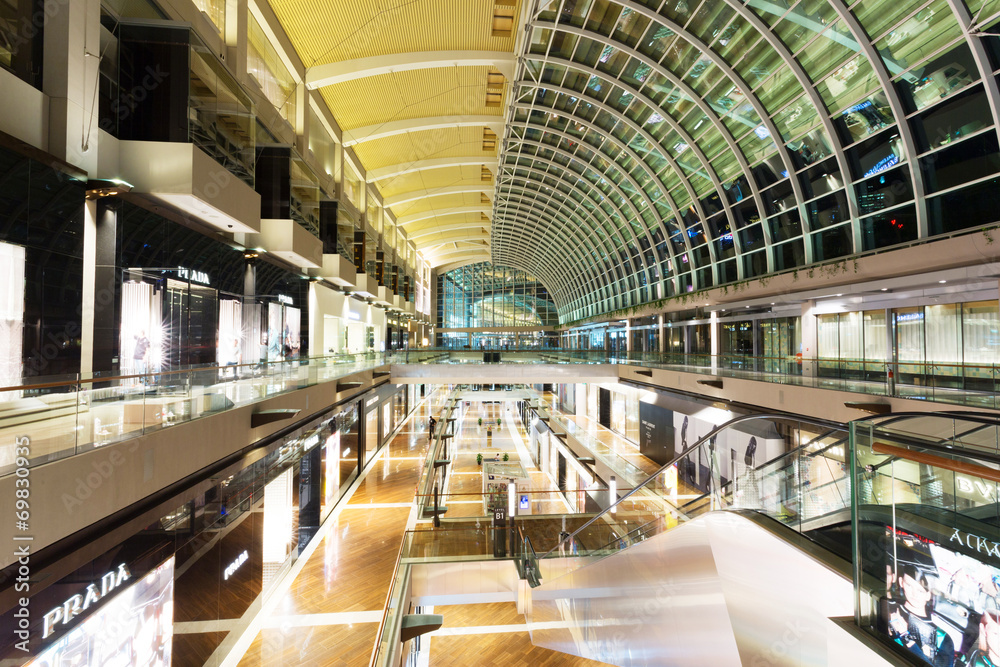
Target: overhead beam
383, 173
454, 236
448, 227
349, 70
405, 220
407, 197
392, 128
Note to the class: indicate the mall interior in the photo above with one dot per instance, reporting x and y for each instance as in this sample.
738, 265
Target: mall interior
499, 332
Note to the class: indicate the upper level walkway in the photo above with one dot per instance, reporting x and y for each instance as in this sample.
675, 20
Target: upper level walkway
63, 416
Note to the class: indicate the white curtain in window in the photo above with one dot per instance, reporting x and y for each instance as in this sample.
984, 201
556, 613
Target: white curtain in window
943, 334
11, 314
981, 333
874, 330
828, 337
850, 335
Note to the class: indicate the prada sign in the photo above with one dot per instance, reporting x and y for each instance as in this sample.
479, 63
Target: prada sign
80, 603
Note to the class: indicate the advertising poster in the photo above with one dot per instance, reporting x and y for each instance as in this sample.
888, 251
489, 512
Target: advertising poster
941, 605
656, 432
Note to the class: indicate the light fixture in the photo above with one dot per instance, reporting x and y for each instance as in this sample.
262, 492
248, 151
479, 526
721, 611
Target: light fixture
98, 188
885, 289
942, 281
840, 294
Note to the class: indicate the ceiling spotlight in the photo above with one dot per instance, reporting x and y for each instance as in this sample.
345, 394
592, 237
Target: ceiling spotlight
942, 281
885, 289
97, 189
840, 295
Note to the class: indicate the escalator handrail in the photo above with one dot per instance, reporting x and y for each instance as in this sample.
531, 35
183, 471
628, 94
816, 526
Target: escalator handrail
704, 439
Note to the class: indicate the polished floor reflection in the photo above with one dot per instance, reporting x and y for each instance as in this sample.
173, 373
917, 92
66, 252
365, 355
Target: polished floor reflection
330, 611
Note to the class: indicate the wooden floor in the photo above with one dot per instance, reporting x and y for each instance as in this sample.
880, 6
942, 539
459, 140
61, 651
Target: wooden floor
331, 610
503, 640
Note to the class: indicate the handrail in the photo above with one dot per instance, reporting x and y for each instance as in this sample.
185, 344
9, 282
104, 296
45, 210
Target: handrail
953, 465
808, 420
399, 558
80, 380
385, 613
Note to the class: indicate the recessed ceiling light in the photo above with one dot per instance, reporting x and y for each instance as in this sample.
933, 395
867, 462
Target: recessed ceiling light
885, 289
942, 281
840, 295
772, 303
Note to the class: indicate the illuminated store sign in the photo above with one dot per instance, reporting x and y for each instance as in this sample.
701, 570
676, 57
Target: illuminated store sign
284, 298
193, 276
235, 565
976, 543
78, 604
882, 165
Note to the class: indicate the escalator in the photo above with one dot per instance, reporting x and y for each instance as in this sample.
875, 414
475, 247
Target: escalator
844, 532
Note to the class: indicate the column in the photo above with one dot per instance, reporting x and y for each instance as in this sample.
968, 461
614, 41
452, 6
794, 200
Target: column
810, 340
89, 277
70, 64
104, 314
663, 334
713, 329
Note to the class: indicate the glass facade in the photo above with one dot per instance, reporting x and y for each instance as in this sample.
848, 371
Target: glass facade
665, 148
483, 295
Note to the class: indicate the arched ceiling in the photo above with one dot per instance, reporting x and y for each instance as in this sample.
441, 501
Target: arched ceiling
647, 148
692, 143
418, 88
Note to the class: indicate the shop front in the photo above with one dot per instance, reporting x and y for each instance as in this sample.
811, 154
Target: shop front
205, 561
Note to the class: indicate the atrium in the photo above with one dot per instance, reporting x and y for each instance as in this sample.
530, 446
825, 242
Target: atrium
460, 332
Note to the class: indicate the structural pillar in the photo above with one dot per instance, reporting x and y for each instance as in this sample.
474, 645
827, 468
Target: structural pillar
713, 335
72, 51
810, 339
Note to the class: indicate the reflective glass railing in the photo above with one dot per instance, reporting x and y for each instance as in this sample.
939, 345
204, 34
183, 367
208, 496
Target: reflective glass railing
59, 416
976, 385
804, 483
926, 549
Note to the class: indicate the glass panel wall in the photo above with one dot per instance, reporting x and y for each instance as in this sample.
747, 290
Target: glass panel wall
484, 295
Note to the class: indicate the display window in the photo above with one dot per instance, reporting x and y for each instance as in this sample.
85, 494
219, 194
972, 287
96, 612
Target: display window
135, 627
284, 332
11, 315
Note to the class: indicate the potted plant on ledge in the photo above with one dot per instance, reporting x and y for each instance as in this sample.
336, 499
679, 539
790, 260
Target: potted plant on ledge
479, 459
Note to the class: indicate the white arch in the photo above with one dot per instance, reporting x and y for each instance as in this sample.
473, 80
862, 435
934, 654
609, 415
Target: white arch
349, 70
406, 197
427, 215
391, 128
382, 173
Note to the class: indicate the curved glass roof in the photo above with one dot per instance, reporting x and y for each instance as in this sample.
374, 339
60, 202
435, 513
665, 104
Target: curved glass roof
656, 147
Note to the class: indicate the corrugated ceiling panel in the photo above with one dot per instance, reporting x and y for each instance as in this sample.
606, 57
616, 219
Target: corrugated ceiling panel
450, 91
325, 31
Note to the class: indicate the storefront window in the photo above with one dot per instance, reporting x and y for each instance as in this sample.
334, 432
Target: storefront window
11, 313
910, 341
981, 333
